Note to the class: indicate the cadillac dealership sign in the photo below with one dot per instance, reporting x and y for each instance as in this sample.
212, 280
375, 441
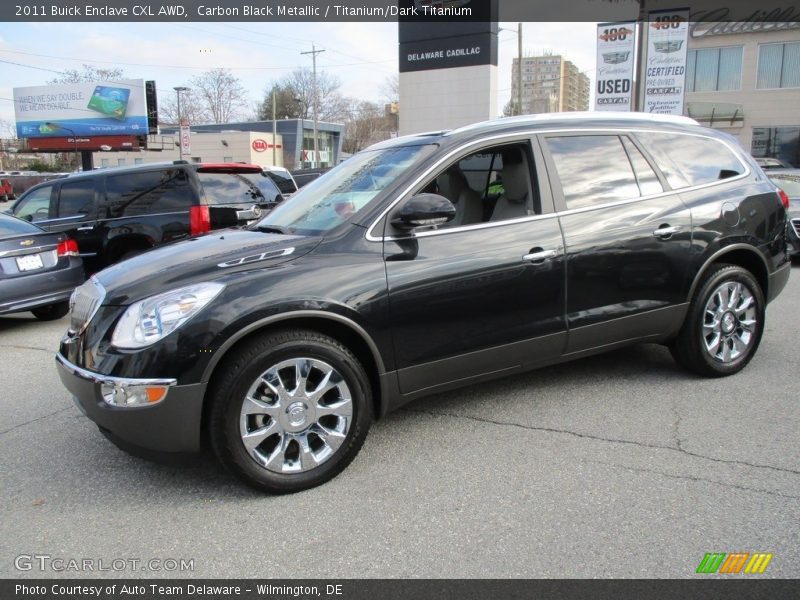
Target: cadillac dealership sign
615, 53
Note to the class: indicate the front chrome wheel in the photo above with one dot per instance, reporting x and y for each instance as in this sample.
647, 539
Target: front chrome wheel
296, 415
730, 321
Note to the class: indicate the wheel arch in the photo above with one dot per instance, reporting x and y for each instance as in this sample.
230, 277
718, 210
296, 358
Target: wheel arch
741, 255
337, 326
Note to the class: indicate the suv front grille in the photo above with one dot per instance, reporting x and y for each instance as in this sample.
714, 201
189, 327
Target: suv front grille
796, 226
85, 301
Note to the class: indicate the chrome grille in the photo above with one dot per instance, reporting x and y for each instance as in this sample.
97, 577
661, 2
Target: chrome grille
83, 304
796, 226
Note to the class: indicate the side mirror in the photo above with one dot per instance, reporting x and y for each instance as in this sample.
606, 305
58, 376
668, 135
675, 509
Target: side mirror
424, 210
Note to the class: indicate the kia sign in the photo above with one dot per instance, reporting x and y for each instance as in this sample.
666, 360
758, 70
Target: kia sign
82, 109
260, 145
615, 49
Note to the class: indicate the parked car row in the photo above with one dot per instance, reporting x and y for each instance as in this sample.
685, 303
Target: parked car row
423, 264
788, 180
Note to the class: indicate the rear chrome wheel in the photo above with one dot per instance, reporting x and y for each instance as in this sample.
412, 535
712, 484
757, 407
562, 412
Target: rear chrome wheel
289, 410
723, 325
730, 322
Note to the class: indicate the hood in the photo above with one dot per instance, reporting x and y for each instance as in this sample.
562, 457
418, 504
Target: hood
205, 258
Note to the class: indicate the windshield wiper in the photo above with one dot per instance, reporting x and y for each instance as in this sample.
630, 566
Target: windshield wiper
273, 229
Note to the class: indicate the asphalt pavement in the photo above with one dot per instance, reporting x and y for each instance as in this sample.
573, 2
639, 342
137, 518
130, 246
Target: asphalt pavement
621, 465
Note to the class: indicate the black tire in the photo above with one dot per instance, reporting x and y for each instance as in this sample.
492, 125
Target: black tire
690, 349
51, 312
244, 369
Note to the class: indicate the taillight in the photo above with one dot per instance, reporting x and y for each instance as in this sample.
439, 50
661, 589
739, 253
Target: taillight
784, 198
199, 220
67, 248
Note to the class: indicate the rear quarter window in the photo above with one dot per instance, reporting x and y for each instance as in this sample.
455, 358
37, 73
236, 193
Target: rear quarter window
689, 160
237, 188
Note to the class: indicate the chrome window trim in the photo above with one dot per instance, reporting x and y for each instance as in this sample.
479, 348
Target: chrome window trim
528, 135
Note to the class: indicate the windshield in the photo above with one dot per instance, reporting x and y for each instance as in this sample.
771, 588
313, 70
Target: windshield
344, 191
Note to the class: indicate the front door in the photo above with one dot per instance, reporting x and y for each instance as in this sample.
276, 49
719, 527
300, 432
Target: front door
484, 294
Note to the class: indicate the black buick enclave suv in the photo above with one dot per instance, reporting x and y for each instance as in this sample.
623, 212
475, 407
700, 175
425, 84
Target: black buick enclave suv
423, 264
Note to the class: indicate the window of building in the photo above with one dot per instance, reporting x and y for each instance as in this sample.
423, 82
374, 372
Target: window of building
104, 162
778, 66
688, 160
714, 69
227, 159
120, 162
137, 161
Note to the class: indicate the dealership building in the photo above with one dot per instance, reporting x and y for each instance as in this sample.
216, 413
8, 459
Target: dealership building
744, 78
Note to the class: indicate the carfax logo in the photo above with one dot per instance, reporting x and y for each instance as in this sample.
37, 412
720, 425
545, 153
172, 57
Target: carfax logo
720, 562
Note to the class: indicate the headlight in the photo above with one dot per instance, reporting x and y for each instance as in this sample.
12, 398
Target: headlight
154, 318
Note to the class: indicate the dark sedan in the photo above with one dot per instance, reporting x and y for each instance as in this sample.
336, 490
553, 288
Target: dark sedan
789, 181
38, 270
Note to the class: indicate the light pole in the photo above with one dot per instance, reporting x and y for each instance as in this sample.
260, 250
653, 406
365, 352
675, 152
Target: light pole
313, 54
518, 30
74, 138
178, 90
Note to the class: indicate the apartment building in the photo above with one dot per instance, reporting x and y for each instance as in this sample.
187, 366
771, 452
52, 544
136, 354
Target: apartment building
550, 83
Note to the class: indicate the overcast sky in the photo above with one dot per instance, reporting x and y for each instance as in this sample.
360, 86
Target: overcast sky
361, 55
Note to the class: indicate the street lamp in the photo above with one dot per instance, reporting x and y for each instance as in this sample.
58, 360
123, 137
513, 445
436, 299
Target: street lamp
74, 138
178, 90
518, 31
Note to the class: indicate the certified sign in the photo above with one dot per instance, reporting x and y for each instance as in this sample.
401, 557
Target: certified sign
665, 64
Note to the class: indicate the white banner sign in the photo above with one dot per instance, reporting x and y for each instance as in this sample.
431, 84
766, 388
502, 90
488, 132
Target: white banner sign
186, 141
615, 49
665, 62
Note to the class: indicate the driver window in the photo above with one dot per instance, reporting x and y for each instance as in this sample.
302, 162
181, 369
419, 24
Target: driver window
493, 184
36, 207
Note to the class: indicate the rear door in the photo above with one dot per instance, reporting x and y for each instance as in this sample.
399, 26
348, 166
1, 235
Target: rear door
236, 195
75, 212
627, 236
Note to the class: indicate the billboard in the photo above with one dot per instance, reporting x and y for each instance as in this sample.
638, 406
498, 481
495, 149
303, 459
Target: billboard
82, 109
665, 63
615, 60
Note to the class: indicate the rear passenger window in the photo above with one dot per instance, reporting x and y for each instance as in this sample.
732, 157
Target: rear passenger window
688, 160
593, 169
76, 198
148, 192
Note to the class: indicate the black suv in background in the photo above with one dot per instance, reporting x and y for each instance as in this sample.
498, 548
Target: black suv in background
423, 264
116, 213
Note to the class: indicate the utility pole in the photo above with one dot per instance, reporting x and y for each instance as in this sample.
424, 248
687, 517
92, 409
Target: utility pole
519, 67
181, 130
313, 54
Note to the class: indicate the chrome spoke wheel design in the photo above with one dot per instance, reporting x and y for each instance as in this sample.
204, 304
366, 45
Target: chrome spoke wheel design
729, 322
296, 415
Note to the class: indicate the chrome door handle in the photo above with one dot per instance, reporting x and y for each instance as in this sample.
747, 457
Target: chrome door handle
540, 256
85, 228
665, 232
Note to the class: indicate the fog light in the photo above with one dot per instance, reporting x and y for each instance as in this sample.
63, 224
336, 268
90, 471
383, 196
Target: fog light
133, 395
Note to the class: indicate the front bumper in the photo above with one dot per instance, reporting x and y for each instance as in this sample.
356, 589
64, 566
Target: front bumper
792, 234
171, 426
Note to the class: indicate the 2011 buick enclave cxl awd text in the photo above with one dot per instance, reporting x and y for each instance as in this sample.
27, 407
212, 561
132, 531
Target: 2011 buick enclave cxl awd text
423, 264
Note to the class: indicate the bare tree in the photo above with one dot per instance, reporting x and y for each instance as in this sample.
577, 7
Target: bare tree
295, 97
367, 124
220, 93
88, 73
192, 109
391, 89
